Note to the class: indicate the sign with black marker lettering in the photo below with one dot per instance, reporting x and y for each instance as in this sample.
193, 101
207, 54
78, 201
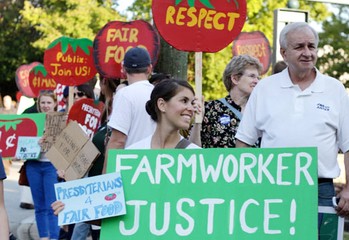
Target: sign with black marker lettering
216, 194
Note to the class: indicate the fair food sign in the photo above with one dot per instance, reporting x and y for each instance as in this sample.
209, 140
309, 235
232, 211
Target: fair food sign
216, 194
91, 198
199, 26
116, 37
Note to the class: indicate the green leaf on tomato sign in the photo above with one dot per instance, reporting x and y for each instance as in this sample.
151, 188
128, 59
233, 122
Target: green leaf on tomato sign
82, 43
40, 68
191, 3
9, 125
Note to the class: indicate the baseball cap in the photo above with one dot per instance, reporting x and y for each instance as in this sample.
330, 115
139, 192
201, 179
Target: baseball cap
137, 58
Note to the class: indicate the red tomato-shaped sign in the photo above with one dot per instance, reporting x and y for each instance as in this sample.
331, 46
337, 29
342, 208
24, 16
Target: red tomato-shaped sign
256, 45
88, 114
10, 130
22, 79
61, 103
69, 61
115, 38
201, 25
40, 80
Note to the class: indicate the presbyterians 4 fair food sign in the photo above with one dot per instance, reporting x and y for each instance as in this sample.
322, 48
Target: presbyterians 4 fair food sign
216, 194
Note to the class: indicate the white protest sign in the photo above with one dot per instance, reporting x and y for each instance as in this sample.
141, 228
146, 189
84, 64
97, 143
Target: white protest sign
91, 198
28, 148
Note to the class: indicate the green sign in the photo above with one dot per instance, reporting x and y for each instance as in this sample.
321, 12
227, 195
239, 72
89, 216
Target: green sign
216, 194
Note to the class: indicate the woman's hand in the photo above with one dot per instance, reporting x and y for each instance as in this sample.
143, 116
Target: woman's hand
57, 207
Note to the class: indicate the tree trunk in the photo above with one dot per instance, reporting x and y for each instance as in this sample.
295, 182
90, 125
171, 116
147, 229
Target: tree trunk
172, 61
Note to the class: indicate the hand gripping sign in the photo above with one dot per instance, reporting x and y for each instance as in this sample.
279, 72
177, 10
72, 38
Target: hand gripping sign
201, 25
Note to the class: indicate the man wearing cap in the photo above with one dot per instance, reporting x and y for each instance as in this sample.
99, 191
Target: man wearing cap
129, 120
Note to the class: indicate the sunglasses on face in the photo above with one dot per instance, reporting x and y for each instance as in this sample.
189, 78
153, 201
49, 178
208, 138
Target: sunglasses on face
79, 94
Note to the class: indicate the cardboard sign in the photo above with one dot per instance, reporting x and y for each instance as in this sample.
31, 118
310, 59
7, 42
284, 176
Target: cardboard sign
115, 38
28, 148
54, 125
199, 26
73, 152
331, 225
91, 198
14, 126
70, 61
88, 113
22, 79
216, 194
39, 80
254, 44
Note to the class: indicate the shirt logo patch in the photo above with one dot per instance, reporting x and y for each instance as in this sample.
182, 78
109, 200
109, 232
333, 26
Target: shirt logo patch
224, 119
323, 107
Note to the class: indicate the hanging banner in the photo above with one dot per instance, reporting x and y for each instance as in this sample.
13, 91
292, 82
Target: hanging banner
14, 126
22, 79
115, 38
88, 113
199, 26
216, 194
70, 61
255, 44
39, 80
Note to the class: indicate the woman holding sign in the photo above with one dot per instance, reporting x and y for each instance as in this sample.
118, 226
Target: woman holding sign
172, 106
42, 176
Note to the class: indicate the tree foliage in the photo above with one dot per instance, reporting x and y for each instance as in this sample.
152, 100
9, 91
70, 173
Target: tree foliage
334, 49
28, 27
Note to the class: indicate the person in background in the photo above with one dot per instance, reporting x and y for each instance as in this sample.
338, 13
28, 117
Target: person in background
4, 224
300, 107
83, 91
172, 106
129, 121
222, 117
42, 176
279, 67
9, 107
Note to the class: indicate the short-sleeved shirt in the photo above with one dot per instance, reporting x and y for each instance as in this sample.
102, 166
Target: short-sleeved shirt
219, 125
129, 115
285, 116
146, 144
2, 170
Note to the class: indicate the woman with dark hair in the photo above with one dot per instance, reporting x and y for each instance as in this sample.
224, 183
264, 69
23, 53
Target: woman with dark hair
172, 106
83, 91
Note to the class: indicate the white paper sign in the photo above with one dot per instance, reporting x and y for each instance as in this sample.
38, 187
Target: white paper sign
91, 198
28, 148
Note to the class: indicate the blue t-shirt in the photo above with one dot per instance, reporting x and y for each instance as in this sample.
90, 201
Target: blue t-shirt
2, 170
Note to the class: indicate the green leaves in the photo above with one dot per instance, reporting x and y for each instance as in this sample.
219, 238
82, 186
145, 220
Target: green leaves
191, 3
10, 124
65, 42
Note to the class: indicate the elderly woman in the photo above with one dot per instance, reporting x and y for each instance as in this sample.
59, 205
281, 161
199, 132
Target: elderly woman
222, 116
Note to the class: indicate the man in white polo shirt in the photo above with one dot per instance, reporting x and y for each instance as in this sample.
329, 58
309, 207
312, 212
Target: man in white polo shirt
300, 107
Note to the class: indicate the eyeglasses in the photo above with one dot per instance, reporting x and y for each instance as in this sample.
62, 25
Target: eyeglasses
79, 94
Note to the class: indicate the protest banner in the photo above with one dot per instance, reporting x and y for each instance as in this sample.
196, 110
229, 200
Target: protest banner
22, 79
14, 126
216, 194
54, 125
254, 44
88, 113
28, 148
40, 80
73, 152
61, 102
91, 198
116, 37
69, 61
